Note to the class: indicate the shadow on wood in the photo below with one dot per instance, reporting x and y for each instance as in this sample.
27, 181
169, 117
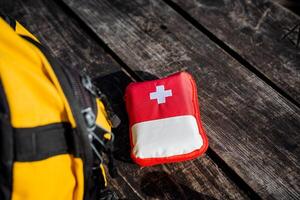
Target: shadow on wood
161, 185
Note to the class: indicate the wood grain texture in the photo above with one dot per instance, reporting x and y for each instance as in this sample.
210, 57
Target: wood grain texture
67, 39
249, 125
255, 30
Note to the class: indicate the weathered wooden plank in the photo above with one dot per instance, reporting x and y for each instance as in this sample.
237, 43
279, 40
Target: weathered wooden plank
253, 128
68, 40
185, 180
258, 31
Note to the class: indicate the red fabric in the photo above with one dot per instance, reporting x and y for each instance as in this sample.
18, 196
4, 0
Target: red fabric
184, 101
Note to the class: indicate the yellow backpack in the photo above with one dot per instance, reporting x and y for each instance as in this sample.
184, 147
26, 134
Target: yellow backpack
54, 125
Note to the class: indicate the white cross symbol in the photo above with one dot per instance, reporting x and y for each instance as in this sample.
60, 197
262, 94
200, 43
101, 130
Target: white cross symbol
160, 94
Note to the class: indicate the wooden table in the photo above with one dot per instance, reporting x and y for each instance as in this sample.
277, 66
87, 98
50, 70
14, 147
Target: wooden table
245, 60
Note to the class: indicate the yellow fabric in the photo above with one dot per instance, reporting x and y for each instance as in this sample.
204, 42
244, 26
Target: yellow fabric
101, 119
49, 179
107, 136
23, 31
78, 173
104, 174
33, 92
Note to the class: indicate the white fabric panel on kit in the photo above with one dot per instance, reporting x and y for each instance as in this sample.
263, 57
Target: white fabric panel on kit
166, 137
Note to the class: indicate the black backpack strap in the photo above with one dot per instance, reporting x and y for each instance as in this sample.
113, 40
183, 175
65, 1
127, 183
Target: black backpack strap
42, 142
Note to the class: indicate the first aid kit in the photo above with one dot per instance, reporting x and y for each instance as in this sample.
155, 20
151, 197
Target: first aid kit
164, 120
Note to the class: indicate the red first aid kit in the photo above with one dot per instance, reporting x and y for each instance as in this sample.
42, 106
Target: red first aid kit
164, 120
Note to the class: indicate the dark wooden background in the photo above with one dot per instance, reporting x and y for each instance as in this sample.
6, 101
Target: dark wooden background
245, 59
